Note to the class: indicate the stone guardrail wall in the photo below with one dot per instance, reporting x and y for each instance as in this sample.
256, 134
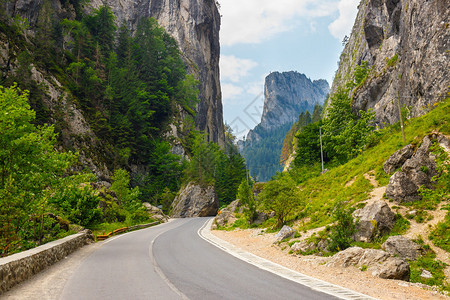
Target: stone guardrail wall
21, 266
102, 237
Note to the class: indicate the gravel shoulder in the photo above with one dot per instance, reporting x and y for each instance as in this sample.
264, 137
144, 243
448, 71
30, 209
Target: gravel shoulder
253, 241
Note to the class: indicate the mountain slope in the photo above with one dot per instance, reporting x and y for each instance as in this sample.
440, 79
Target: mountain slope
406, 45
287, 95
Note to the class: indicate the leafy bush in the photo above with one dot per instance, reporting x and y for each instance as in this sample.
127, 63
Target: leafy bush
245, 194
342, 231
281, 196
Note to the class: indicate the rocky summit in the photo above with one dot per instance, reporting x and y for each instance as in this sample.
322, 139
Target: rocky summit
405, 43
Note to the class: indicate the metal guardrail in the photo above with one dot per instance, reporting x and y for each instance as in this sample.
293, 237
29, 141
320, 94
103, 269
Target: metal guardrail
103, 237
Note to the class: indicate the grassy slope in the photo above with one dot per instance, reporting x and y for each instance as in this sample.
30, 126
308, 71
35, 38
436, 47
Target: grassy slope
323, 192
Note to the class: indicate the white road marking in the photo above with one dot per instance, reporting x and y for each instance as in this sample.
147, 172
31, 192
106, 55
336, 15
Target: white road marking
264, 264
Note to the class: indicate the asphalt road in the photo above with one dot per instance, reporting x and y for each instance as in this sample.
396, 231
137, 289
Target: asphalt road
168, 261
171, 261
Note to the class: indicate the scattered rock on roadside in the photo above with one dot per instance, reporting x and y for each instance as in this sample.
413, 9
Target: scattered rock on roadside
378, 262
403, 247
156, 213
305, 246
374, 220
284, 233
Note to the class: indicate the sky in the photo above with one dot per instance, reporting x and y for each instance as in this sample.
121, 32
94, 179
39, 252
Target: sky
258, 37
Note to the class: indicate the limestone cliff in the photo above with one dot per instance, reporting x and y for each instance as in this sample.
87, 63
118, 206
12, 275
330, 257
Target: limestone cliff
286, 95
406, 45
194, 24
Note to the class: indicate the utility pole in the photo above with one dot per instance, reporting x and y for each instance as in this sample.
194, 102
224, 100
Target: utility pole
401, 118
321, 149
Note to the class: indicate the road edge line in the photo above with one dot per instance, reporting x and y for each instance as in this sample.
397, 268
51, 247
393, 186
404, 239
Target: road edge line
316, 284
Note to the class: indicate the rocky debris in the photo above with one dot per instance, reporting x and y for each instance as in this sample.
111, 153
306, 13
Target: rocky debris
374, 220
305, 246
195, 200
156, 213
415, 172
403, 247
285, 233
398, 159
378, 262
235, 206
426, 274
226, 216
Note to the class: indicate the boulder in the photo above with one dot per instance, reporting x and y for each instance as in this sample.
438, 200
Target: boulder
401, 188
235, 206
195, 200
374, 220
305, 246
415, 172
261, 217
224, 217
378, 262
403, 247
346, 258
284, 233
398, 159
156, 212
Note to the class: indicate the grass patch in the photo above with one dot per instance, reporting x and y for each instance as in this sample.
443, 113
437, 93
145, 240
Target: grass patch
435, 267
440, 236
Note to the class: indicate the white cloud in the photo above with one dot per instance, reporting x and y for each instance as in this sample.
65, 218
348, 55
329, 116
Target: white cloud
234, 69
230, 91
347, 14
252, 21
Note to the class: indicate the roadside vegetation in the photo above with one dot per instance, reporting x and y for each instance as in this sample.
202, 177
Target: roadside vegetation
328, 200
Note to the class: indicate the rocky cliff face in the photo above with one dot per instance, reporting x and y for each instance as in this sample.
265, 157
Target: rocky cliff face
194, 24
286, 95
406, 45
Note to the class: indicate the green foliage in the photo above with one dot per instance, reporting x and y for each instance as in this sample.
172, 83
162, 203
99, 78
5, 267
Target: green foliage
360, 75
321, 193
30, 170
263, 156
211, 165
245, 194
441, 234
392, 61
308, 145
435, 267
342, 231
280, 195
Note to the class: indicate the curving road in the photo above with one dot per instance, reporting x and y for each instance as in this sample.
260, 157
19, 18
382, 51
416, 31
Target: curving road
171, 261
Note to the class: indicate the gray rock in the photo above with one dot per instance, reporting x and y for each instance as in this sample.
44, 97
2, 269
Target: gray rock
385, 29
284, 233
195, 201
261, 217
378, 262
235, 206
346, 258
426, 274
416, 171
224, 217
398, 159
401, 188
403, 247
305, 246
374, 220
155, 212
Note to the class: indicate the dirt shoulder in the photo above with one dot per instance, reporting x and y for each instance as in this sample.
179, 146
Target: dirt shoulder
253, 241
